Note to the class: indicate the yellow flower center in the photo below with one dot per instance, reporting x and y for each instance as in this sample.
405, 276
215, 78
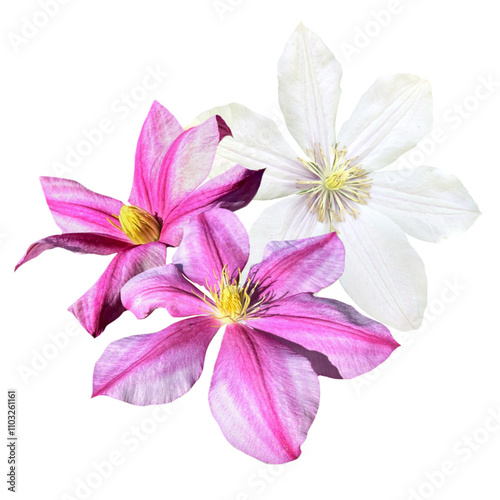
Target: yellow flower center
232, 302
140, 226
336, 180
339, 186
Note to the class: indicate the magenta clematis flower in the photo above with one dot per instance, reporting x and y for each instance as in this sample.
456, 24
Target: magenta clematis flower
170, 167
279, 337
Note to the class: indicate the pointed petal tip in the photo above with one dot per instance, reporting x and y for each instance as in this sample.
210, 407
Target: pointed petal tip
93, 332
476, 211
302, 28
154, 368
281, 460
224, 129
426, 87
309, 88
258, 173
416, 319
20, 263
293, 455
101, 304
411, 79
394, 343
256, 407
410, 76
156, 105
409, 325
46, 179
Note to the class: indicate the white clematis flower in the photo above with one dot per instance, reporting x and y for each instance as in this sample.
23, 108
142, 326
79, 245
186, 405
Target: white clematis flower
336, 184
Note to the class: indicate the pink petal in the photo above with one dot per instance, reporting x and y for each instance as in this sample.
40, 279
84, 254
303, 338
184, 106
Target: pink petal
158, 133
101, 304
76, 209
162, 287
155, 368
307, 265
100, 244
353, 343
186, 165
263, 395
212, 240
224, 129
231, 190
319, 362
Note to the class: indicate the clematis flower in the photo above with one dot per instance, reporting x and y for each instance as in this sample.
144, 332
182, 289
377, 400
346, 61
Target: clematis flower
170, 167
334, 183
278, 335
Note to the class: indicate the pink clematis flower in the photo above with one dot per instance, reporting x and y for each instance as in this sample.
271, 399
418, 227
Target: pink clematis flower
170, 167
279, 337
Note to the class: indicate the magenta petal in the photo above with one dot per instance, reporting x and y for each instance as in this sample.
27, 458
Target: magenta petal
101, 304
162, 287
319, 362
100, 244
77, 209
231, 190
186, 165
308, 265
263, 395
159, 131
353, 343
224, 129
212, 240
155, 368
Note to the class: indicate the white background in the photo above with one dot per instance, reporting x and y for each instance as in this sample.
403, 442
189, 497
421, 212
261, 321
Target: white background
381, 437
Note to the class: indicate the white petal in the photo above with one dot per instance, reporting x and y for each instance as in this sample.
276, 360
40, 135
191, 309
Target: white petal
257, 143
383, 273
309, 89
390, 118
288, 219
427, 203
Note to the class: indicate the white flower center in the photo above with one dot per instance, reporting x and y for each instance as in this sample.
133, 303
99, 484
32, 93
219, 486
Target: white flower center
339, 187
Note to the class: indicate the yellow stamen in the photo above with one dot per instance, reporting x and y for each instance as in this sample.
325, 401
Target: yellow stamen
232, 302
140, 226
